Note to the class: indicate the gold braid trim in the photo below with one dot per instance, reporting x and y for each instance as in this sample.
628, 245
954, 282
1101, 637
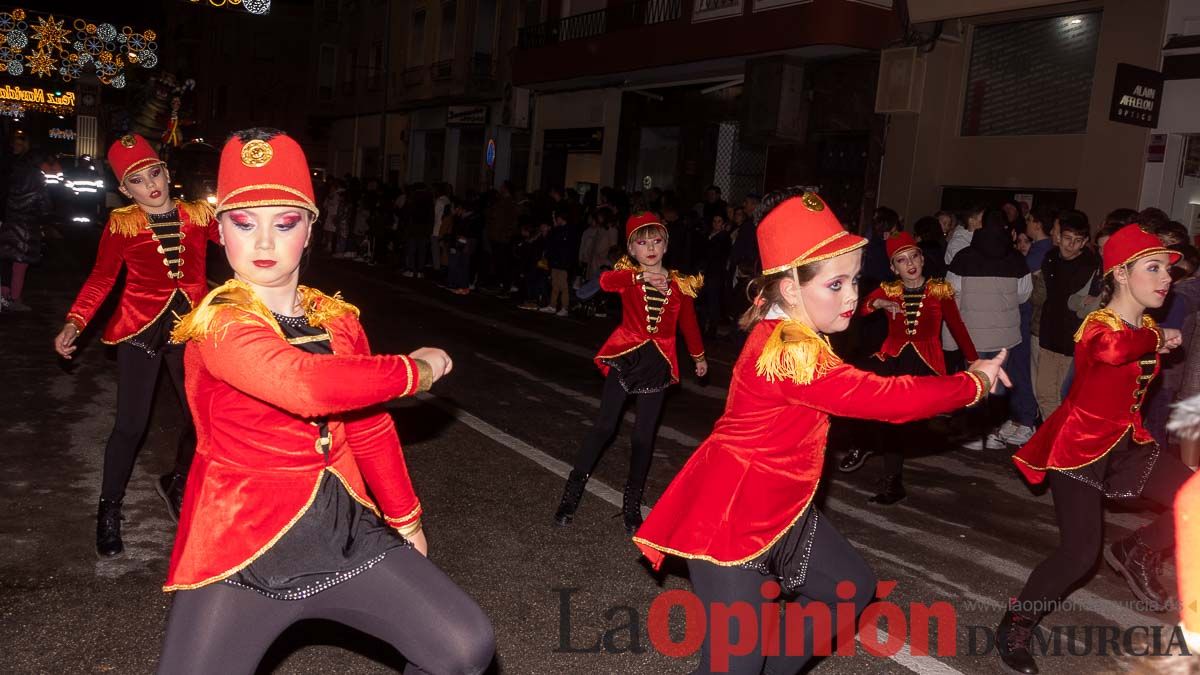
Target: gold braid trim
198, 213
196, 324
127, 220
690, 284
625, 263
795, 352
1111, 320
939, 289
892, 289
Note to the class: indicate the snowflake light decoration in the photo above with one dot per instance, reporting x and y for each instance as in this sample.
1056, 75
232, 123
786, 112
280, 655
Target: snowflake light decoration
45, 46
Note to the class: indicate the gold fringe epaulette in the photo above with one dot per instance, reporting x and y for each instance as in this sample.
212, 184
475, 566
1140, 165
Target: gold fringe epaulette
1109, 319
795, 352
198, 213
892, 289
939, 289
625, 263
127, 220
196, 324
690, 284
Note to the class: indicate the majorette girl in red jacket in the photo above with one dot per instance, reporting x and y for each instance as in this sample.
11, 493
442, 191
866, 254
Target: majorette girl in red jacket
1095, 446
161, 244
638, 359
916, 308
740, 511
277, 524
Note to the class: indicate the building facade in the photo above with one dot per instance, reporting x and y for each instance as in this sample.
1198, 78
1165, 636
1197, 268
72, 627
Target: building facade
1016, 102
680, 94
1171, 179
415, 90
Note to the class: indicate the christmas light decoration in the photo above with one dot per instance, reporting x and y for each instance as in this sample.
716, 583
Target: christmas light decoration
260, 7
44, 45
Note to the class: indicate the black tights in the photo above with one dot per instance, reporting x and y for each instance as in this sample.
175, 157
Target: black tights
137, 378
405, 600
612, 404
1079, 510
833, 560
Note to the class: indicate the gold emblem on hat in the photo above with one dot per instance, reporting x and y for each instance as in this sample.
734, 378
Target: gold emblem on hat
128, 141
812, 201
256, 153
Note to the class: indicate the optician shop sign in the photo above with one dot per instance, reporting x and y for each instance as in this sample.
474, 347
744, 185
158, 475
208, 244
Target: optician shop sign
1137, 96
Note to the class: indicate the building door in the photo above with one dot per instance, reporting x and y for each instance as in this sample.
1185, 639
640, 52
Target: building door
470, 160
658, 158
435, 155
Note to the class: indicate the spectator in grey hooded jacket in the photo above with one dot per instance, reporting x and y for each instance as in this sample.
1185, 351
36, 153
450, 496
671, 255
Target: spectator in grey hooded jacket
991, 280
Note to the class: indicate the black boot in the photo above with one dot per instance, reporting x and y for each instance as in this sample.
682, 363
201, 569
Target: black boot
170, 488
108, 529
572, 493
631, 510
853, 460
1140, 566
1012, 641
893, 491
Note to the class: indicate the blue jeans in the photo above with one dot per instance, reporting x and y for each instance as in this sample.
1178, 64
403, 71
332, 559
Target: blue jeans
1022, 404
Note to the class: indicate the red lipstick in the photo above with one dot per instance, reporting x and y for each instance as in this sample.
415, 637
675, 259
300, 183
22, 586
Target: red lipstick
264, 263
847, 314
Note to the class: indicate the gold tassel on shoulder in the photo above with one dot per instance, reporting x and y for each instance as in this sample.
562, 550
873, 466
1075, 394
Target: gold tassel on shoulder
625, 263
892, 289
198, 213
233, 294
690, 284
795, 352
320, 308
939, 289
127, 220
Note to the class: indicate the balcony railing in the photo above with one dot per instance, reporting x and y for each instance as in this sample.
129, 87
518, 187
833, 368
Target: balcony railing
599, 22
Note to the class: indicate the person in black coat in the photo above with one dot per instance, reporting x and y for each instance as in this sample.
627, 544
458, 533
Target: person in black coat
26, 205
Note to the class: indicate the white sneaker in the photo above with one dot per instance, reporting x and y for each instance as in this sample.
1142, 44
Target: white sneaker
547, 310
562, 312
992, 442
1006, 429
1019, 436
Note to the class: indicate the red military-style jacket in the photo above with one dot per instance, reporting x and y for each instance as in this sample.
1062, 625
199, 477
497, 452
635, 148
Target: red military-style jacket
1114, 365
149, 283
258, 460
920, 324
755, 475
642, 323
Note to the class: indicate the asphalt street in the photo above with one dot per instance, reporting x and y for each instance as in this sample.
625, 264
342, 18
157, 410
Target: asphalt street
488, 450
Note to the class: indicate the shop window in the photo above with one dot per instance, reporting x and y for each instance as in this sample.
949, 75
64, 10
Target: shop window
1031, 77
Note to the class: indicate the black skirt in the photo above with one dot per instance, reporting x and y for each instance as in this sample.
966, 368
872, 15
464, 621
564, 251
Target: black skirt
1122, 473
787, 559
642, 371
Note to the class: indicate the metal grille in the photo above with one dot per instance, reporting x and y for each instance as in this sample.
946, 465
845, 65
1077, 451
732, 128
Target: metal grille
740, 166
1031, 77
